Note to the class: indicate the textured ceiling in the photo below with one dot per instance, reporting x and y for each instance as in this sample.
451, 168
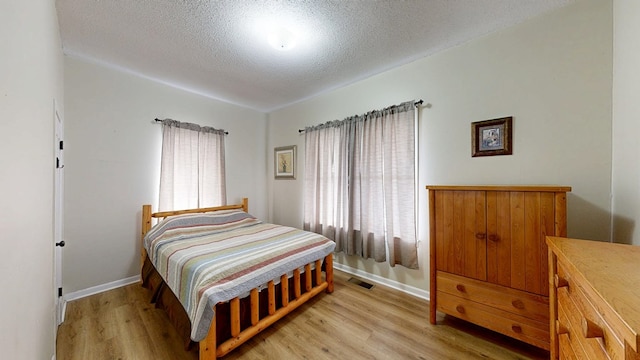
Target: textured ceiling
219, 48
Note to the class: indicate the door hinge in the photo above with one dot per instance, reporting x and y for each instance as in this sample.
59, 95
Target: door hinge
61, 145
57, 163
59, 292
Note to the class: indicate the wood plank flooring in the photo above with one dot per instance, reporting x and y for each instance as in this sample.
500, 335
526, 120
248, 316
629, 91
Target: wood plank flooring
352, 323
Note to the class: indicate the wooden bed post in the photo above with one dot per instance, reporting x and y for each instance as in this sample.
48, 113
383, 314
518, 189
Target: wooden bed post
208, 345
146, 226
329, 272
245, 205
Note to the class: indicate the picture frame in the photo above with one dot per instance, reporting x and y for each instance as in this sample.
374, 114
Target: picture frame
492, 137
284, 158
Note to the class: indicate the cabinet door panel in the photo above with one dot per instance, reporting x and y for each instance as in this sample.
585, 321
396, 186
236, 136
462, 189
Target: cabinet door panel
456, 254
492, 243
518, 249
474, 236
461, 233
532, 265
444, 208
498, 238
547, 228
517, 223
539, 222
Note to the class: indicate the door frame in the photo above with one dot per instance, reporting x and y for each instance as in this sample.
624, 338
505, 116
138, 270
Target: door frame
58, 212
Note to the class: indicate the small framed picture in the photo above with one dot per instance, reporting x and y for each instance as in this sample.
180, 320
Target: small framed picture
285, 162
492, 137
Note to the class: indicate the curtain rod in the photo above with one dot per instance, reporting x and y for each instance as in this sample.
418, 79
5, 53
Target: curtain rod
158, 120
417, 103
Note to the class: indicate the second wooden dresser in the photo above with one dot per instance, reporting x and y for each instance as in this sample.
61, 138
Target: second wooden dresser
595, 299
488, 256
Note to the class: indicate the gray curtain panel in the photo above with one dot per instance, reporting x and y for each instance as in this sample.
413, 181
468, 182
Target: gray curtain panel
359, 184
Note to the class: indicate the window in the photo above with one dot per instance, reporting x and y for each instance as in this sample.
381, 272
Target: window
192, 171
359, 185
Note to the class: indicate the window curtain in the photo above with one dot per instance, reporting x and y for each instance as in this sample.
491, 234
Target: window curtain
192, 173
359, 184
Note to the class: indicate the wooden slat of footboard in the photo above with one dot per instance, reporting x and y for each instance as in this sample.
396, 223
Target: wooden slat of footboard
318, 271
255, 306
271, 292
307, 277
248, 333
296, 283
234, 309
284, 287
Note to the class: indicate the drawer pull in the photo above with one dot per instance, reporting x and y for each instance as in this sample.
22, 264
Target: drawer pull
460, 309
561, 329
516, 329
518, 304
591, 330
560, 281
461, 288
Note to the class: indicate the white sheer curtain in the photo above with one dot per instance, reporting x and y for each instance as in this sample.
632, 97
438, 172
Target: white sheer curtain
359, 185
326, 183
192, 170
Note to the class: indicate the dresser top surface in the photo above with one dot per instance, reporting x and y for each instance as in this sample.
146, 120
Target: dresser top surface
613, 270
523, 188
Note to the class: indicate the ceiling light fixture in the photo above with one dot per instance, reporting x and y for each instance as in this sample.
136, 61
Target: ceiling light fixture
282, 39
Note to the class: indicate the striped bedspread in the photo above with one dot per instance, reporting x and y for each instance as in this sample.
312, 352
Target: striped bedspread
215, 257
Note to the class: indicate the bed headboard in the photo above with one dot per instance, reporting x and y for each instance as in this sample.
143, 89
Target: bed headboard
147, 217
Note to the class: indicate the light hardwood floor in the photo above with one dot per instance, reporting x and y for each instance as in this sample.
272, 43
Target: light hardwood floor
352, 323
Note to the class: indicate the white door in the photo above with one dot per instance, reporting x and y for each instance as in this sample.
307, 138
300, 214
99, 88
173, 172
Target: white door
58, 212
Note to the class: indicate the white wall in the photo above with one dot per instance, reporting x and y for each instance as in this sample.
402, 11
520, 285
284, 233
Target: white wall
552, 74
30, 78
626, 127
112, 153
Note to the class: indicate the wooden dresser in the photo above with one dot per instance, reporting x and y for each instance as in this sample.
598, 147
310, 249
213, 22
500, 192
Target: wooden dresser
595, 299
488, 256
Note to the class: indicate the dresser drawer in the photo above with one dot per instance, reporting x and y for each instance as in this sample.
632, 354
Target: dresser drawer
510, 324
570, 348
518, 302
594, 334
566, 351
594, 348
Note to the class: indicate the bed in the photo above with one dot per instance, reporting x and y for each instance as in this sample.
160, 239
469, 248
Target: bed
223, 276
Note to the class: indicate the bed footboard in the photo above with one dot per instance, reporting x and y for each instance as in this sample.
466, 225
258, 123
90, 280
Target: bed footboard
209, 350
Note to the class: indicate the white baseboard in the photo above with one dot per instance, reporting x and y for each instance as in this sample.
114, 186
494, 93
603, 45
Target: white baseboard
414, 291
100, 288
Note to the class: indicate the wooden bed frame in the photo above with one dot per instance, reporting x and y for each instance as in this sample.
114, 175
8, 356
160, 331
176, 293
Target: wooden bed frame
312, 286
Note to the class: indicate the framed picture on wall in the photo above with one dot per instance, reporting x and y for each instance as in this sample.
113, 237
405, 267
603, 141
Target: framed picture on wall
285, 162
492, 137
